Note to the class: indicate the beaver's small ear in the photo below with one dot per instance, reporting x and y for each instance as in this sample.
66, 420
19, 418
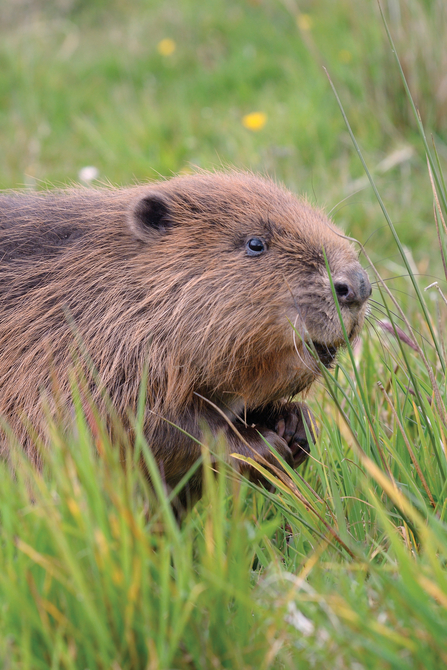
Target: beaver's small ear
149, 214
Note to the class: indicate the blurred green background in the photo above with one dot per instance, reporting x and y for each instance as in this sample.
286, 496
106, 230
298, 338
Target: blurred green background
142, 88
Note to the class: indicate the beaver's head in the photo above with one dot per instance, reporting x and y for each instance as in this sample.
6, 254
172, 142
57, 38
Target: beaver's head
243, 265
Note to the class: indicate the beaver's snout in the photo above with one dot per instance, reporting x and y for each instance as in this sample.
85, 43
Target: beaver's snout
353, 289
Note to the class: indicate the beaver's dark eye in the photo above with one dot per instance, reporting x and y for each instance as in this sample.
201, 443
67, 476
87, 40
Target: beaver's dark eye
255, 246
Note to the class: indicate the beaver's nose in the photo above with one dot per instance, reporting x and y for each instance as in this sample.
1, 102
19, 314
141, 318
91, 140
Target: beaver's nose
353, 289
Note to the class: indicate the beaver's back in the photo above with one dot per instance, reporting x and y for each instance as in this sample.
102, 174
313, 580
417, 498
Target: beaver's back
59, 277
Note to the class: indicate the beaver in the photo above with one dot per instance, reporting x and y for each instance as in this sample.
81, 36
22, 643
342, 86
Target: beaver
210, 284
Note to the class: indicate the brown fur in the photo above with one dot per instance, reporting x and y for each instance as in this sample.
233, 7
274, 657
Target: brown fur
166, 283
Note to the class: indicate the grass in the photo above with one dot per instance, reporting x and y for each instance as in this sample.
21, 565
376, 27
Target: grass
343, 566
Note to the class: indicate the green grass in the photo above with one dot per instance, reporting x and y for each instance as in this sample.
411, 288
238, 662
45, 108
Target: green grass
343, 566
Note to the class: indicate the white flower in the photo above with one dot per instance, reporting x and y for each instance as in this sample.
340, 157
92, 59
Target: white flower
298, 620
88, 173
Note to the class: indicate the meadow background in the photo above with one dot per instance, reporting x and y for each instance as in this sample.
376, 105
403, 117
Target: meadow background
343, 567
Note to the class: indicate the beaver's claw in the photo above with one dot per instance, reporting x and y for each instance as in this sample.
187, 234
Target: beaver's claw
290, 427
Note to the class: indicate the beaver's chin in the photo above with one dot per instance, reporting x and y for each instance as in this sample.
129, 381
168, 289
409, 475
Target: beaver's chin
326, 353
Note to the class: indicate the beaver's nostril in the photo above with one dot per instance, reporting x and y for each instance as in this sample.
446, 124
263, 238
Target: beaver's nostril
345, 293
341, 289
353, 288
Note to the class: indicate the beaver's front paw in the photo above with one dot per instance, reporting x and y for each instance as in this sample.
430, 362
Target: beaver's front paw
290, 427
261, 440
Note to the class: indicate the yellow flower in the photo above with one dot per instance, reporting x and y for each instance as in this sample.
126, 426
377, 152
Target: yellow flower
166, 47
254, 121
304, 22
74, 508
345, 56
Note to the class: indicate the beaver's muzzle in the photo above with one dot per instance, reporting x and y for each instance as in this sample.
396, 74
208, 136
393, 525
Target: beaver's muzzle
353, 288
